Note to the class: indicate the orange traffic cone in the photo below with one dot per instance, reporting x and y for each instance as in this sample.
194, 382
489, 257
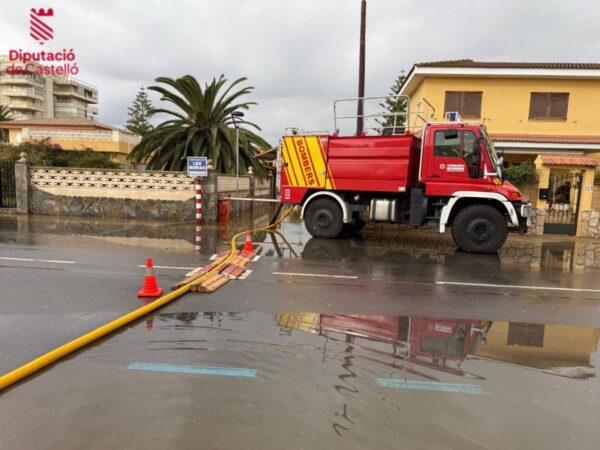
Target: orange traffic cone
248, 243
150, 288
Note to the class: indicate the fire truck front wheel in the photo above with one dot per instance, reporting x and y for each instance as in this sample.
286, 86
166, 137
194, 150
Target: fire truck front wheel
324, 218
479, 229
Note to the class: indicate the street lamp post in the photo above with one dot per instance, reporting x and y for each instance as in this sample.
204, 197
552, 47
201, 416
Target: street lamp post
237, 151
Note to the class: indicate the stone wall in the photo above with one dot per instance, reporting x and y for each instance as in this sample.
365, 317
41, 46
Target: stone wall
111, 194
537, 226
119, 194
590, 226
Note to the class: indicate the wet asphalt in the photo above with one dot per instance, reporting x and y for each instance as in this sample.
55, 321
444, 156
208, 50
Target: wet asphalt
385, 340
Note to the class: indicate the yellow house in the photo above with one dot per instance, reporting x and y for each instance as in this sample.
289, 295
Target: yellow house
73, 133
528, 108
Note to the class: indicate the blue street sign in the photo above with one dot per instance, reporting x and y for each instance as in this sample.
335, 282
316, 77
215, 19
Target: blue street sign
197, 166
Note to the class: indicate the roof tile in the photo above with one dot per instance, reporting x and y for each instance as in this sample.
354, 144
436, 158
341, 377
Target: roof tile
470, 64
569, 160
546, 138
78, 122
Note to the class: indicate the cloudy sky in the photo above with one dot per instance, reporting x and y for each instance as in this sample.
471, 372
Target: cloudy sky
299, 55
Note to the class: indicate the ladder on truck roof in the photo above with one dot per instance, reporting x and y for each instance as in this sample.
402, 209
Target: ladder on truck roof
383, 122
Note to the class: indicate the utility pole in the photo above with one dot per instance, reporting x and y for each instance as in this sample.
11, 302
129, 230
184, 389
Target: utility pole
361, 68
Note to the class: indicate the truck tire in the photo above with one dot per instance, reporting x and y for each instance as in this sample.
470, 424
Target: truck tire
479, 229
324, 218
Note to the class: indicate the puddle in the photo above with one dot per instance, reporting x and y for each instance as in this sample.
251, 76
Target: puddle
318, 380
424, 347
329, 380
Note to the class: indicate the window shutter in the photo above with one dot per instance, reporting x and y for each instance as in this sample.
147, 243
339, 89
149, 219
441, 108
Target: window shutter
548, 105
452, 102
471, 104
538, 105
559, 104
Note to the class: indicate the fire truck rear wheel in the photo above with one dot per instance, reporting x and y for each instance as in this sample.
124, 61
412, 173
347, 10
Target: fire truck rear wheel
324, 218
479, 229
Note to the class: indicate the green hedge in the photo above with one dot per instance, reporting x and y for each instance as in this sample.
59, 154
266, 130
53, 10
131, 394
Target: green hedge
521, 175
45, 154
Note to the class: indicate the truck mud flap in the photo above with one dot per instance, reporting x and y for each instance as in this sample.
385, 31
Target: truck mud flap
418, 208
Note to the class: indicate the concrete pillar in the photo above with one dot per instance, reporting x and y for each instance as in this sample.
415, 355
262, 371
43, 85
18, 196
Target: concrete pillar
23, 184
543, 174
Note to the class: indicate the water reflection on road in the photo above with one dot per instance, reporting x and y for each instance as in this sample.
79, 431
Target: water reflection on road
358, 369
381, 242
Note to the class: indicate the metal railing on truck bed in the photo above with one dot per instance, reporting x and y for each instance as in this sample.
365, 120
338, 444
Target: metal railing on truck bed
381, 121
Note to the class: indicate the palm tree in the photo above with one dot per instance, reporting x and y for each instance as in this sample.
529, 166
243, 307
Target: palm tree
5, 115
202, 125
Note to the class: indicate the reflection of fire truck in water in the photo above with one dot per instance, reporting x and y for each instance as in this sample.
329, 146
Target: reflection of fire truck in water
433, 342
439, 344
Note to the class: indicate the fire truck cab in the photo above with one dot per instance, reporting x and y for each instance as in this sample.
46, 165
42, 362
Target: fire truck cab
444, 174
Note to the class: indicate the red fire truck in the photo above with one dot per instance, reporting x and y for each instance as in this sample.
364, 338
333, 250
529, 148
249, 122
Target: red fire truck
445, 174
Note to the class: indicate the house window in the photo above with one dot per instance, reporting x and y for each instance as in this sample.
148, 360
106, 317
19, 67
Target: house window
526, 334
548, 106
468, 104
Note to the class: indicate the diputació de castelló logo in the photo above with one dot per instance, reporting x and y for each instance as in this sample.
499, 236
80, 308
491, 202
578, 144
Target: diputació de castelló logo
38, 25
42, 62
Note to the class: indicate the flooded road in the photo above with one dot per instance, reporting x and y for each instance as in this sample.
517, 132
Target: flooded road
390, 339
312, 380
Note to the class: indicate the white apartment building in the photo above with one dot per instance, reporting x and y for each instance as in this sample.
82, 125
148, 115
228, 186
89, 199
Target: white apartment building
37, 96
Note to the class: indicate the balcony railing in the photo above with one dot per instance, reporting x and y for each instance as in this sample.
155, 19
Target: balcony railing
70, 81
24, 92
20, 79
76, 93
26, 105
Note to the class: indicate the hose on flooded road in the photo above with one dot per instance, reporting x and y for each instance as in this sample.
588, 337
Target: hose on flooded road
52, 356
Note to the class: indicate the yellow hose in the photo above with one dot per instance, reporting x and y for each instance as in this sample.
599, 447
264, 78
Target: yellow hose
82, 341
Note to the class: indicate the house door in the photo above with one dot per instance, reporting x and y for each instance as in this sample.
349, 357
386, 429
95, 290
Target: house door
562, 206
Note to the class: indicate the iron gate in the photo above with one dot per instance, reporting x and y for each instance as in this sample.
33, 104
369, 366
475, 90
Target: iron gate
8, 198
562, 207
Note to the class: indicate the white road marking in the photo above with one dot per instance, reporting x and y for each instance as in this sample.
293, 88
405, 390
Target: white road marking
6, 258
54, 261
515, 286
169, 267
321, 275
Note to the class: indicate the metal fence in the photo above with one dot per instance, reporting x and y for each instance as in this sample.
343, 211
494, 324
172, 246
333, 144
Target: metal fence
8, 197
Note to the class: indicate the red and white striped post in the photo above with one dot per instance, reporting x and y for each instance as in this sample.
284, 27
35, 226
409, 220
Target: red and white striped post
198, 188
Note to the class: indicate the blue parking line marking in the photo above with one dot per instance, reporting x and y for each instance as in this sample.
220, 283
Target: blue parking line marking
430, 386
196, 370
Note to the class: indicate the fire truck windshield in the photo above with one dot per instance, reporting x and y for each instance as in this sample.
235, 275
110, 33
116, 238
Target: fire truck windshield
491, 150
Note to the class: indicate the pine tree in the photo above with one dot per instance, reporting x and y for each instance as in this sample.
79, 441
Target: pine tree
393, 105
139, 114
